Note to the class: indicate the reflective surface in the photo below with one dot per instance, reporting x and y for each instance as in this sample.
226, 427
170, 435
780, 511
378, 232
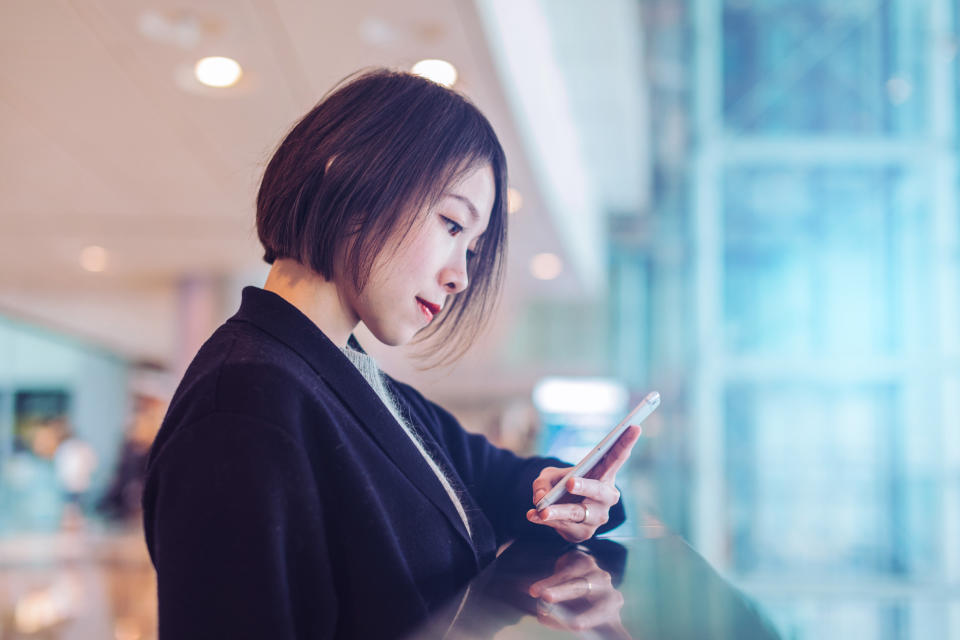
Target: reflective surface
649, 586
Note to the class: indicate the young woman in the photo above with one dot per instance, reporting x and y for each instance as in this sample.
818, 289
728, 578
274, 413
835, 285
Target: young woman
294, 490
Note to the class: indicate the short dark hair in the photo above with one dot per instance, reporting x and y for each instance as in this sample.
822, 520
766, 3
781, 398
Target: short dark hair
378, 149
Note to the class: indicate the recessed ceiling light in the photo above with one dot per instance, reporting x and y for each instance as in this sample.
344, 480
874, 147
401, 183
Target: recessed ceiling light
179, 28
514, 200
217, 71
440, 71
545, 266
93, 258
377, 32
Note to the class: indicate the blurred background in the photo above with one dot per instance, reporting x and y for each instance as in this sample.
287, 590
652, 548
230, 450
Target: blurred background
748, 205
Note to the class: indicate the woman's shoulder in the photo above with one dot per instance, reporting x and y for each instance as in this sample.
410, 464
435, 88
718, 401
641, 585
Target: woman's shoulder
244, 372
238, 359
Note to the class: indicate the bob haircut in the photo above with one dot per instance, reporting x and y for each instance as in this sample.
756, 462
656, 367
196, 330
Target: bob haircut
365, 165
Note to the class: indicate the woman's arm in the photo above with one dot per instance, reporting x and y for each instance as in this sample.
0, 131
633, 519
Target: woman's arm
235, 531
499, 480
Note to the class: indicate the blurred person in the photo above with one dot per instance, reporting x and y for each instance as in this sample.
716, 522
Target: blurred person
296, 491
75, 462
122, 499
31, 493
44, 437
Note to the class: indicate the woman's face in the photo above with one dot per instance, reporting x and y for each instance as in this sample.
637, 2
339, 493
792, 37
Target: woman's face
406, 289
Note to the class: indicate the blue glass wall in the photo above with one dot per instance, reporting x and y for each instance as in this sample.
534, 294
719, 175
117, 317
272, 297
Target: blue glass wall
92, 382
800, 274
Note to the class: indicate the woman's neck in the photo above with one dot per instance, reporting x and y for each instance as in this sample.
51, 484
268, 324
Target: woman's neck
315, 297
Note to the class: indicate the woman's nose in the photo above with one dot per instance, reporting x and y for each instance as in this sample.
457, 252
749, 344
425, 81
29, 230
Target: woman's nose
454, 276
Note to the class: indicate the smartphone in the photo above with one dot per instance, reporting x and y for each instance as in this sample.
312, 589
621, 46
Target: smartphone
637, 416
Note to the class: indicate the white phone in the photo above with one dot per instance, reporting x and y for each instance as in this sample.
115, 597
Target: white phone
637, 416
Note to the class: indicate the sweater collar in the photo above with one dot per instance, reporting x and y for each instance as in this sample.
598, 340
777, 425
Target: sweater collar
287, 324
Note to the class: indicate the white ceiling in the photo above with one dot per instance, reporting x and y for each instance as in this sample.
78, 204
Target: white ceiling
101, 145
106, 139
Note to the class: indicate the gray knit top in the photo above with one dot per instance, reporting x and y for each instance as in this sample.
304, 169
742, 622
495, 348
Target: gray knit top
371, 372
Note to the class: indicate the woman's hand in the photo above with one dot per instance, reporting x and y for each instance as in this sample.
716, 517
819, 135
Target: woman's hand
578, 521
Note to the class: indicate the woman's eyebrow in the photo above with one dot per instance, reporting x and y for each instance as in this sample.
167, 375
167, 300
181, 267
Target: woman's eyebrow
473, 210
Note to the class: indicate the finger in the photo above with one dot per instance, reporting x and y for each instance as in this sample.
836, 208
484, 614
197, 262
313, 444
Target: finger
575, 569
560, 525
578, 569
548, 477
561, 577
569, 531
580, 587
601, 492
570, 590
592, 618
538, 587
586, 577
540, 485
605, 611
585, 513
618, 454
601, 583
552, 616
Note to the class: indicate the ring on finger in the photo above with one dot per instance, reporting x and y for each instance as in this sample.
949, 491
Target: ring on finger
589, 586
586, 513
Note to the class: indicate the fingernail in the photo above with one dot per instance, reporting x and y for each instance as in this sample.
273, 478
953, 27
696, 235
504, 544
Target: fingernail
577, 484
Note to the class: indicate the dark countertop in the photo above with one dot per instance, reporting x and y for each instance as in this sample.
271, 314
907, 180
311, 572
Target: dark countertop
650, 586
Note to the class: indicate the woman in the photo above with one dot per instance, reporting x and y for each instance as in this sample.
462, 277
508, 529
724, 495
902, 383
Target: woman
294, 490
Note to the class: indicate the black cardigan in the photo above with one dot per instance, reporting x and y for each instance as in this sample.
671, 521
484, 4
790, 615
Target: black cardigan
283, 500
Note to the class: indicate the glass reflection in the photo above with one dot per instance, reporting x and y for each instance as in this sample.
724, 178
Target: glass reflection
647, 587
579, 596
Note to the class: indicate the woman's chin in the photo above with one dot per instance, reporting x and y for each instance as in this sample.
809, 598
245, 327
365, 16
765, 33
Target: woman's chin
393, 338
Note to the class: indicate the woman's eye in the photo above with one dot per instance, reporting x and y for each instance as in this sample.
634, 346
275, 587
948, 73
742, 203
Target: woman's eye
453, 227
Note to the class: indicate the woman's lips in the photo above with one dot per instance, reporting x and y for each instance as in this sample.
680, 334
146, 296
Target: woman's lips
428, 308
